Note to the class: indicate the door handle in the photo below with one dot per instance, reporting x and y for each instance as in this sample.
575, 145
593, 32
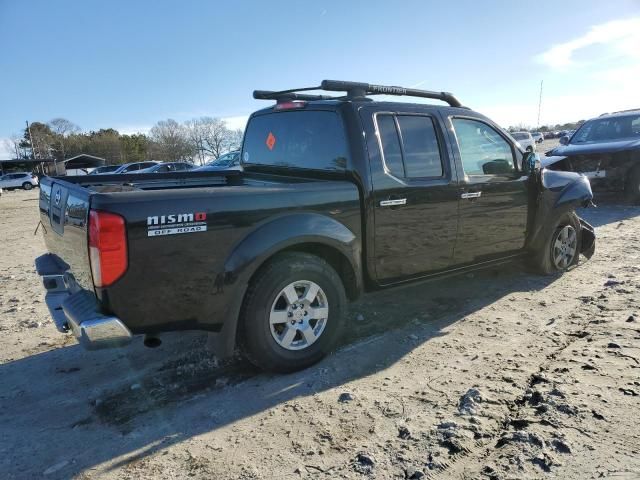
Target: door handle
393, 203
471, 195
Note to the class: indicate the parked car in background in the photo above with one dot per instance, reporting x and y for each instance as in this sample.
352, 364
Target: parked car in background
167, 167
26, 180
607, 150
228, 161
525, 140
133, 167
337, 197
538, 137
105, 169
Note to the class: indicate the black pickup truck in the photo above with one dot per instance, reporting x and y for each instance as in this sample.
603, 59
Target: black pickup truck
338, 195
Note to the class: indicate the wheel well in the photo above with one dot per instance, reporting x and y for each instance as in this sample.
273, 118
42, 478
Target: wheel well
333, 257
337, 260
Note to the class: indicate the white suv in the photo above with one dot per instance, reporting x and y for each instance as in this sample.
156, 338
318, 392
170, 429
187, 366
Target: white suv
525, 140
24, 180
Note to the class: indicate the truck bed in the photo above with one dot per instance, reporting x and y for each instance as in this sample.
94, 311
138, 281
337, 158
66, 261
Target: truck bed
177, 278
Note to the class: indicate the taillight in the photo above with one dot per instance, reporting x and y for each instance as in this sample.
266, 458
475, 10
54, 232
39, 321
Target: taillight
107, 247
289, 105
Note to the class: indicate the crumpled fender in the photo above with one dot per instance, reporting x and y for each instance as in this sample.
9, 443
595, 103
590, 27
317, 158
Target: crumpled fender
565, 188
559, 193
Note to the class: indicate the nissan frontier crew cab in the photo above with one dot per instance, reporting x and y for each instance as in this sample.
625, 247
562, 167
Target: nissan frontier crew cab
338, 196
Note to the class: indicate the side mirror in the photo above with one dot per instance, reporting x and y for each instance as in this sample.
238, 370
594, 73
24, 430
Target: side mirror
564, 140
531, 162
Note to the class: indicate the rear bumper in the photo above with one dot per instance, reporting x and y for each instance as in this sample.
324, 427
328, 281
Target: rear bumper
76, 310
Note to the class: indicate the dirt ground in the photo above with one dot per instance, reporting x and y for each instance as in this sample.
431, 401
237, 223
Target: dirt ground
493, 375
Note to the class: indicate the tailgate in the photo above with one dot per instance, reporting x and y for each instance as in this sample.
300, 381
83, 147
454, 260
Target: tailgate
64, 209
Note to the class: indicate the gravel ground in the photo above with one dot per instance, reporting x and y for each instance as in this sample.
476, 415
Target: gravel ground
493, 375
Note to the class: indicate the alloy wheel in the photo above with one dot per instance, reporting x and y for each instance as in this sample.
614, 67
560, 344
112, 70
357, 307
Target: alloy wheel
299, 315
564, 246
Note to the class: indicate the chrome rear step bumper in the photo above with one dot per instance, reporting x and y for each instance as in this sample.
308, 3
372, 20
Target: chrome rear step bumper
75, 309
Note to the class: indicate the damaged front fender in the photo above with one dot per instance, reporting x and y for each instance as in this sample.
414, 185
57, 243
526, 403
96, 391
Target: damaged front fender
560, 193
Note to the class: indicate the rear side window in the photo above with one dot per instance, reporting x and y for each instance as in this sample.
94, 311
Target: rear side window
390, 144
410, 145
301, 139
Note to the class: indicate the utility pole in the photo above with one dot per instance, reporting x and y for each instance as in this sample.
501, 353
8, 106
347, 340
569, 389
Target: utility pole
539, 105
33, 156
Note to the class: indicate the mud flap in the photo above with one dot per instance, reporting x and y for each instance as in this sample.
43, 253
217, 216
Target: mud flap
587, 239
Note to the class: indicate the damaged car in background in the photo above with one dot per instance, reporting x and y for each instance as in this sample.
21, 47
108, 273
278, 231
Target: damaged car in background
606, 150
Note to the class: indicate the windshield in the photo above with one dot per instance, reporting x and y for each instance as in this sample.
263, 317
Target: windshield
299, 139
608, 129
520, 136
224, 161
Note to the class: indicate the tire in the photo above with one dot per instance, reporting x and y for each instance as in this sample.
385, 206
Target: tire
27, 186
275, 334
632, 187
545, 261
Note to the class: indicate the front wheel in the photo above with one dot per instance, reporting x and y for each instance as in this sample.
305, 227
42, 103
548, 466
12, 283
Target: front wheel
27, 186
561, 249
293, 313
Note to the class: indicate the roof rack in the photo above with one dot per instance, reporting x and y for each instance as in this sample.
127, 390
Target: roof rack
354, 90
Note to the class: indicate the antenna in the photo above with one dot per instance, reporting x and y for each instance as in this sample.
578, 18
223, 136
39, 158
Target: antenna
540, 104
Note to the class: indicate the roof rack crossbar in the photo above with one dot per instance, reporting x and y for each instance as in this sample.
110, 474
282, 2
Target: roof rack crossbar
353, 90
288, 95
357, 89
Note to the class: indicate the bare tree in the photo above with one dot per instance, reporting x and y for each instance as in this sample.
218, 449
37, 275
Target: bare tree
211, 137
13, 145
170, 141
62, 129
197, 132
215, 135
235, 139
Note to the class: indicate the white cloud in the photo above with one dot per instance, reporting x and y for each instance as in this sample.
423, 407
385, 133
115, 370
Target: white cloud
621, 36
5, 152
133, 129
236, 122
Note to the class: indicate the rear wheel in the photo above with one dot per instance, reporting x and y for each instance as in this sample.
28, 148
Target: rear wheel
293, 313
27, 186
561, 249
632, 186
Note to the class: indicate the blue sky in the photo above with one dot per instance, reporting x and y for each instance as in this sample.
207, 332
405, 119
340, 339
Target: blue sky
129, 64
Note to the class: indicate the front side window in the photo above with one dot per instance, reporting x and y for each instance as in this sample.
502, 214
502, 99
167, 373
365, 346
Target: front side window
410, 145
483, 150
308, 139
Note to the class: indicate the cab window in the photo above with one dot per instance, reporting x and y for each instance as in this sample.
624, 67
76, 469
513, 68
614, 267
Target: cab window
410, 145
483, 150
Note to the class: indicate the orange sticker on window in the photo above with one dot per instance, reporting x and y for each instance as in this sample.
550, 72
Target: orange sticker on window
271, 141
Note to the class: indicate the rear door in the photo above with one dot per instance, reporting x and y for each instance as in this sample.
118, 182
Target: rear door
493, 191
414, 191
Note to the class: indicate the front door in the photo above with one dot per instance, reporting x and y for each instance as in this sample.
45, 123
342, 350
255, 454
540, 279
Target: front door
493, 193
414, 195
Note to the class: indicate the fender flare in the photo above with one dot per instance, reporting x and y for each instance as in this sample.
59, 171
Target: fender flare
268, 239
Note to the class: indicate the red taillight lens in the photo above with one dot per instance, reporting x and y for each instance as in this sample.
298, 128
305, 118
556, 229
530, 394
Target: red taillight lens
107, 247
